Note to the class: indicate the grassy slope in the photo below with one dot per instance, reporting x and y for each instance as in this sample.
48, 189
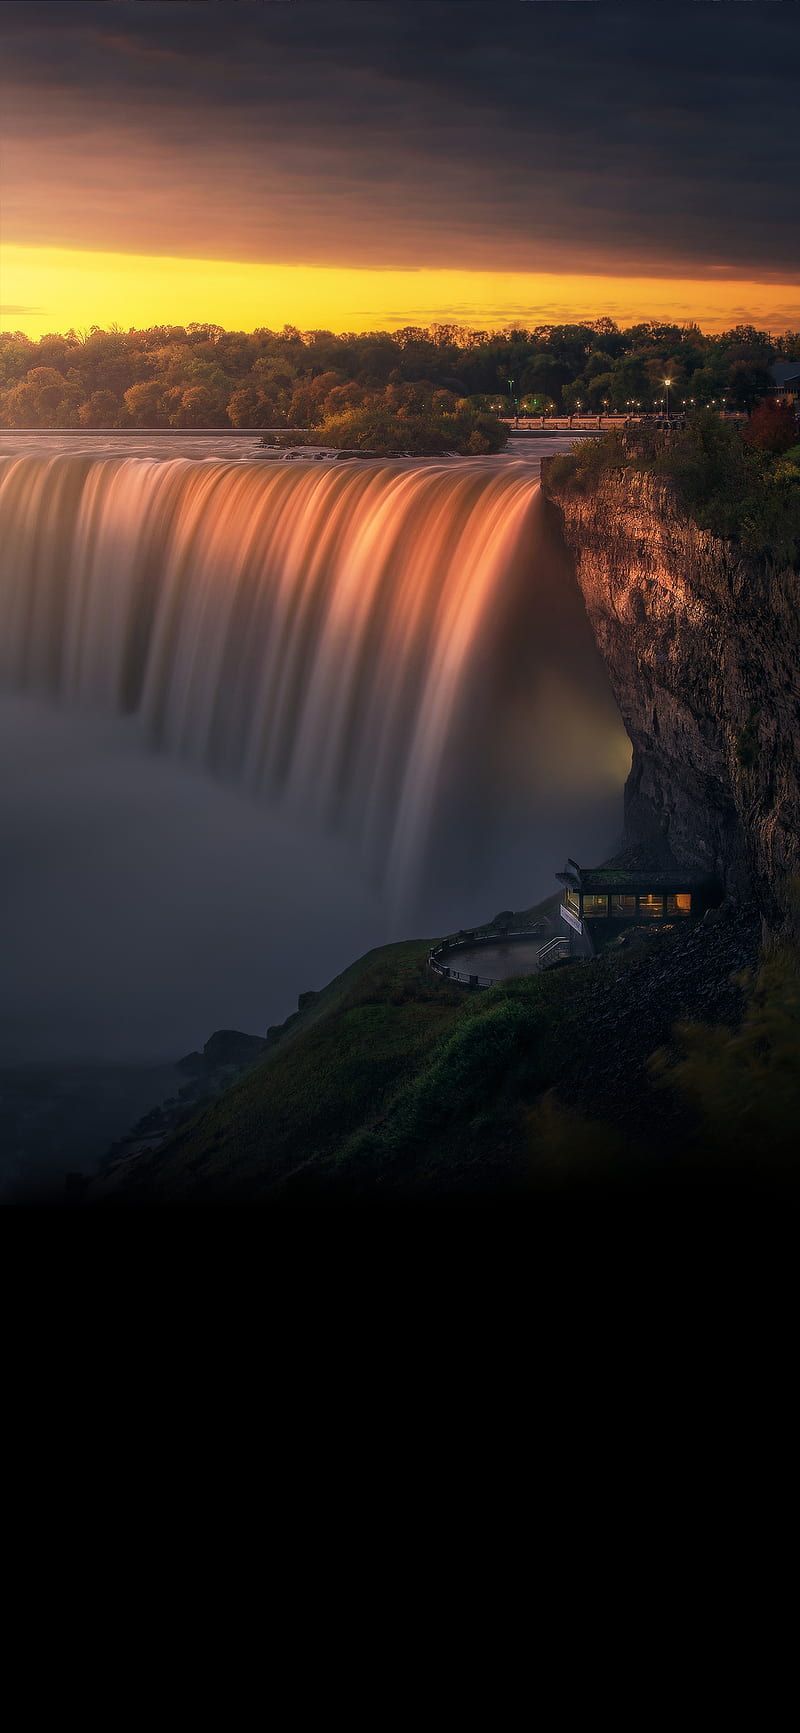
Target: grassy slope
394, 1083
336, 1068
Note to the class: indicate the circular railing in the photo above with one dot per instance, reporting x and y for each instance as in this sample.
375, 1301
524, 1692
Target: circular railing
439, 954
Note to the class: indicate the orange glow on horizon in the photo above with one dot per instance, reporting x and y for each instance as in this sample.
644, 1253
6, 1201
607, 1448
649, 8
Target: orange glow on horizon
53, 289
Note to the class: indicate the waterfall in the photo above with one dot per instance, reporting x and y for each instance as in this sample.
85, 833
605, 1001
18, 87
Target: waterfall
315, 633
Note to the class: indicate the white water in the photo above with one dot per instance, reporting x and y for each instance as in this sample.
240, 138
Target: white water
305, 632
389, 653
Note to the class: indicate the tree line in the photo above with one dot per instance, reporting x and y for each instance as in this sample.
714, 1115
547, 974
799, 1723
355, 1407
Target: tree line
204, 376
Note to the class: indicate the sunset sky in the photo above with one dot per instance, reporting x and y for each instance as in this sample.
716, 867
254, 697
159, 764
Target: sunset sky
367, 164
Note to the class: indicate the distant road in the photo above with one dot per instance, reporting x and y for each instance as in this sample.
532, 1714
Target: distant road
555, 430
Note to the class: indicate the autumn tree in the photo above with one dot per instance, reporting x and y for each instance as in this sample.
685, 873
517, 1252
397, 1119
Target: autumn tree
145, 404
195, 407
44, 398
248, 407
772, 427
102, 409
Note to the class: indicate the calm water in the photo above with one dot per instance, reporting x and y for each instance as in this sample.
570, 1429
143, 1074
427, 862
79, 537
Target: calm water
500, 962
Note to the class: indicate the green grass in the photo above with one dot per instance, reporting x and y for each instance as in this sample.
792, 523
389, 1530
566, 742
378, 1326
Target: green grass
393, 1083
336, 1068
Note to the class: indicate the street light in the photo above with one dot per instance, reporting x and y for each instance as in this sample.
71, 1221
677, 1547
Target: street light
514, 400
668, 383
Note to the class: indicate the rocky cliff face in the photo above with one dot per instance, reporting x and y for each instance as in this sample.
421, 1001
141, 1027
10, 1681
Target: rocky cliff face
703, 650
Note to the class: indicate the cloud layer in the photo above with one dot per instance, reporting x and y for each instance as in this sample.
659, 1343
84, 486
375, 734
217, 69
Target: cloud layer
504, 136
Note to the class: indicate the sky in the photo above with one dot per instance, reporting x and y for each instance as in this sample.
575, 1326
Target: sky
356, 164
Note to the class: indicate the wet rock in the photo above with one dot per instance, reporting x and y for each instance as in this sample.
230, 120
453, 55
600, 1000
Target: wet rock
702, 647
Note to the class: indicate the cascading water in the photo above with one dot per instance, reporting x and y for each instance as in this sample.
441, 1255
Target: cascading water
327, 636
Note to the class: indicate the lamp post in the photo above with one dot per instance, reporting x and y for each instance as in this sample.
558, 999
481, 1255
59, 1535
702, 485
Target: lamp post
668, 383
514, 399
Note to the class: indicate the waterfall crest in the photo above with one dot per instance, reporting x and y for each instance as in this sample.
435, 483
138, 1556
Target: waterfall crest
308, 632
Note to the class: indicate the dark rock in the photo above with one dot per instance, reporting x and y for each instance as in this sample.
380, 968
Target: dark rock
705, 643
192, 1063
232, 1047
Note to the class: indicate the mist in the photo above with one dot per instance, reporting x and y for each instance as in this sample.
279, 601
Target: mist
152, 890
144, 905
222, 782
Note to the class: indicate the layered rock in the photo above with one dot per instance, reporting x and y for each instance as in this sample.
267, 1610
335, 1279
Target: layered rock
703, 650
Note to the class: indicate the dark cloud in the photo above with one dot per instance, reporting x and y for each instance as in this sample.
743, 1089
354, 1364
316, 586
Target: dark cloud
647, 138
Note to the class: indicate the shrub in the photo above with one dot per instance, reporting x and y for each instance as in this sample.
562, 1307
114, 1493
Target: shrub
772, 427
429, 428
745, 1081
729, 486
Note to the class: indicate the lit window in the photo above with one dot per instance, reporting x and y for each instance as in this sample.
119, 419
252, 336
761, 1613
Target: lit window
573, 901
623, 905
679, 904
651, 906
594, 906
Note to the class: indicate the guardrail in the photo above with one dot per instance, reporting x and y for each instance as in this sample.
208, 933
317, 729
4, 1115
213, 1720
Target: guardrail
554, 952
467, 940
580, 421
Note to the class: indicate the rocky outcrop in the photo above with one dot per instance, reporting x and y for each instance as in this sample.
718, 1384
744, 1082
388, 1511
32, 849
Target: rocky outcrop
227, 1055
703, 651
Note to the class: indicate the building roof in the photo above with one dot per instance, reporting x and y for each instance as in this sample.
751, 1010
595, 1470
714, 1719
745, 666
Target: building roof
785, 372
611, 878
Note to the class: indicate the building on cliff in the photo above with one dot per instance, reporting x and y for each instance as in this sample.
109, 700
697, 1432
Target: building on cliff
701, 640
599, 902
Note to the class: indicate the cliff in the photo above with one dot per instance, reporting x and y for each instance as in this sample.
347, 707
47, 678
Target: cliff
658, 1062
703, 650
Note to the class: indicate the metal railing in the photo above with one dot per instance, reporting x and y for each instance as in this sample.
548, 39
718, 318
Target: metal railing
436, 955
554, 952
